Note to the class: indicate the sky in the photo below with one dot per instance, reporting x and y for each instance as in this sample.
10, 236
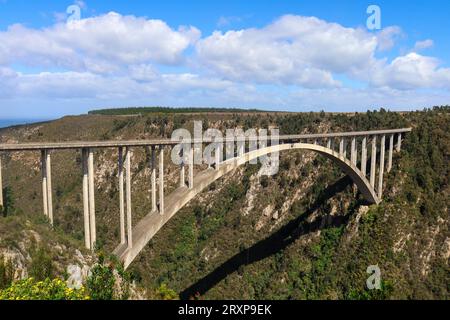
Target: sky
68, 57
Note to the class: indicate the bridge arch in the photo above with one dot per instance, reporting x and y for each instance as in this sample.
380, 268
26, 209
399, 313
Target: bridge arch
153, 222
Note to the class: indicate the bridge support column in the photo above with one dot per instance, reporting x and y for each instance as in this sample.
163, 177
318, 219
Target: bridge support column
154, 208
364, 156
381, 173
399, 142
121, 198
341, 147
217, 155
353, 154
329, 143
182, 170
87, 231
191, 168
241, 148
128, 196
373, 161
44, 181
48, 170
1, 183
91, 174
391, 149
161, 180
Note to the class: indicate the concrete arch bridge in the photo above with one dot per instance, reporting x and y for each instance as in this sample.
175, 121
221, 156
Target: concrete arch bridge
348, 150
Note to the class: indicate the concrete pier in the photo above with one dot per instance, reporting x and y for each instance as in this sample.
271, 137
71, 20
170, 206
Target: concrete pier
373, 162
44, 181
91, 174
87, 230
154, 207
161, 180
353, 152
121, 198
329, 143
391, 151
341, 147
364, 156
191, 168
49, 187
381, 172
182, 170
128, 196
399, 142
217, 156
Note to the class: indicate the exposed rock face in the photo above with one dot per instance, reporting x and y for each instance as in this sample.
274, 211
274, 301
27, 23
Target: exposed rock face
77, 275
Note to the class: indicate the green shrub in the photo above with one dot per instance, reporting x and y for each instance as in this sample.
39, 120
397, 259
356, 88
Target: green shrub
164, 293
30, 289
41, 264
100, 283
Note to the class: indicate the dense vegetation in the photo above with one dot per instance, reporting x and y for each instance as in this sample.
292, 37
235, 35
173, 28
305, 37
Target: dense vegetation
305, 233
166, 110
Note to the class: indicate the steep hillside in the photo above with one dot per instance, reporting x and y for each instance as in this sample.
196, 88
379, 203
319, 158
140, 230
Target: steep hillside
303, 234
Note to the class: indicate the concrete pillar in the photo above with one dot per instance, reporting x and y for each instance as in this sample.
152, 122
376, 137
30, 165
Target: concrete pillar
329, 143
121, 198
391, 151
217, 154
128, 196
353, 151
364, 156
241, 149
87, 231
341, 147
191, 168
315, 141
153, 180
1, 183
373, 161
161, 179
381, 173
182, 170
399, 142
44, 181
344, 144
49, 186
91, 174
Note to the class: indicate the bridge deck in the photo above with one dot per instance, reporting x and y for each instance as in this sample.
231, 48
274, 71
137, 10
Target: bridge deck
35, 146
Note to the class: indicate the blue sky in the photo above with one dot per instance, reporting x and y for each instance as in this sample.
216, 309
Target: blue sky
277, 55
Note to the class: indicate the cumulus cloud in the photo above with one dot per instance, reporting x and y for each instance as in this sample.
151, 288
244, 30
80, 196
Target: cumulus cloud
412, 71
98, 44
291, 50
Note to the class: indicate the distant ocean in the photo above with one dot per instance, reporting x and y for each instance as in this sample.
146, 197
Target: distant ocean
13, 122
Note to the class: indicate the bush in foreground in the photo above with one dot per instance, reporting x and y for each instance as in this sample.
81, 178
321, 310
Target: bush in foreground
29, 289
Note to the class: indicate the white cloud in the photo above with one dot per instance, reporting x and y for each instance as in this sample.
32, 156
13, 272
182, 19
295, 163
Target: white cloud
99, 44
292, 50
422, 45
387, 37
412, 71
